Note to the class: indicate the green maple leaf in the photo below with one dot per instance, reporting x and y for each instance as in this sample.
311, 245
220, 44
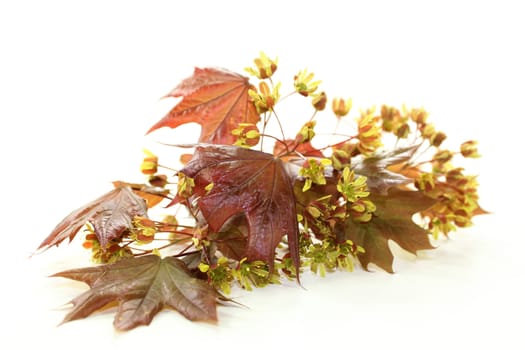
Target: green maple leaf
142, 287
392, 220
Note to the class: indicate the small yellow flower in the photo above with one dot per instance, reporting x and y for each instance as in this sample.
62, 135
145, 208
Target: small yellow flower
426, 182
351, 188
264, 67
342, 155
341, 107
362, 210
149, 163
306, 133
185, 186
313, 172
369, 133
265, 99
247, 135
204, 267
303, 83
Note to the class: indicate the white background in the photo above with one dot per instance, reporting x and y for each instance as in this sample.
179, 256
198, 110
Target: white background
80, 84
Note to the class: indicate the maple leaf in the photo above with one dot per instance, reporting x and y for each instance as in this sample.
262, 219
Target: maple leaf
110, 215
251, 183
152, 195
216, 99
142, 287
392, 220
233, 238
375, 168
305, 149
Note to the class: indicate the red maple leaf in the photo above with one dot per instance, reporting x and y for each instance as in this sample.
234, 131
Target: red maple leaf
216, 99
110, 215
247, 182
305, 149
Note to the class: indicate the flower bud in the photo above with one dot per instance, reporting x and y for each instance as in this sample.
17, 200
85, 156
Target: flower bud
402, 131
341, 107
443, 156
469, 149
427, 130
437, 139
419, 116
306, 133
319, 101
389, 117
158, 180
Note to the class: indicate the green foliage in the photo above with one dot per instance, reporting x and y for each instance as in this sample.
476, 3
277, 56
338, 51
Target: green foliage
327, 256
259, 207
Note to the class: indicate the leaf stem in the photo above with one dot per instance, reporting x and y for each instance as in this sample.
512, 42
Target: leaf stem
279, 123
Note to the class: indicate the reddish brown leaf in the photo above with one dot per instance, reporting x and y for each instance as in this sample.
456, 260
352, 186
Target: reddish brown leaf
110, 215
142, 287
376, 168
152, 195
392, 220
216, 99
247, 182
480, 211
306, 149
233, 238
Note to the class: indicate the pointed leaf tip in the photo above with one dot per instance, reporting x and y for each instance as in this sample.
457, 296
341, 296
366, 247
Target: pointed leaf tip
392, 220
216, 99
142, 287
109, 214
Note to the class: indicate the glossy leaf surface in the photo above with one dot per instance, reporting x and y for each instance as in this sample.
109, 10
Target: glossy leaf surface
216, 99
142, 287
250, 183
110, 215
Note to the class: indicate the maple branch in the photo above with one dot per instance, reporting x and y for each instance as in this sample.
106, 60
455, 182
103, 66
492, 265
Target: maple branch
410, 162
280, 125
286, 151
313, 115
185, 249
259, 216
167, 168
265, 123
286, 96
350, 138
